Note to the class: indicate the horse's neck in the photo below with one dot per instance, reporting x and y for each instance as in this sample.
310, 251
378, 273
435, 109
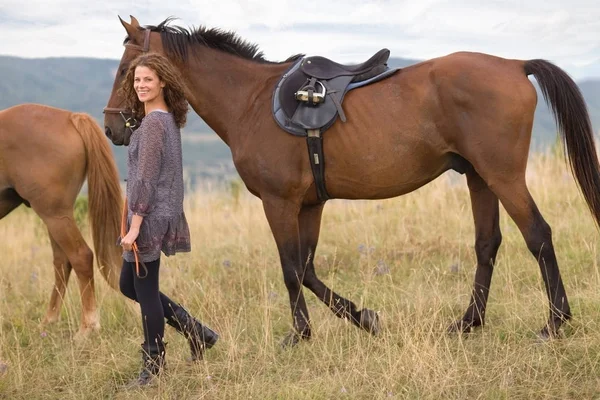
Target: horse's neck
220, 87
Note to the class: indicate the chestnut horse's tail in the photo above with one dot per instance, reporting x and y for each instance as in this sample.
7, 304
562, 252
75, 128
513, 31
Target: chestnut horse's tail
571, 115
104, 197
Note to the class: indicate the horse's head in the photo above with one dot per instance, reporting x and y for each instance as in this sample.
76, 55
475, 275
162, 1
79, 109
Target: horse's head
118, 120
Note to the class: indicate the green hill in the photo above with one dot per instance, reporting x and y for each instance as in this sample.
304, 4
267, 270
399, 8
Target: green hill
84, 84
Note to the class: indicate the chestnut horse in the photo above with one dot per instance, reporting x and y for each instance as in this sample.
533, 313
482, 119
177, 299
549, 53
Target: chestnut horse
45, 155
469, 112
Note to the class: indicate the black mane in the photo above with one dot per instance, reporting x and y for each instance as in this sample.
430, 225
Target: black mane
177, 39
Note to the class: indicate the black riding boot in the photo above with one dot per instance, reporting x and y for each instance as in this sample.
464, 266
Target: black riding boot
199, 337
153, 363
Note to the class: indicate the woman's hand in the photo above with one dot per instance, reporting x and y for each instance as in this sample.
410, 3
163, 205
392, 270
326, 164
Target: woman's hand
127, 241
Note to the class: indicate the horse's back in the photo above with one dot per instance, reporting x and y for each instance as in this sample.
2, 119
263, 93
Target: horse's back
30, 113
40, 152
480, 74
23, 121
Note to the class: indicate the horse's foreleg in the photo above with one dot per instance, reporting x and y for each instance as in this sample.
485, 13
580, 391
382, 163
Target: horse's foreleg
485, 207
310, 223
66, 234
62, 271
282, 216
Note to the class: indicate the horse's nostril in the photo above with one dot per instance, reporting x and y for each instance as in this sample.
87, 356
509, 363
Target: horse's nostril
108, 132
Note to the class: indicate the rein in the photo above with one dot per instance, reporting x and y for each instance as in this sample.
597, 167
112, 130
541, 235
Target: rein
134, 247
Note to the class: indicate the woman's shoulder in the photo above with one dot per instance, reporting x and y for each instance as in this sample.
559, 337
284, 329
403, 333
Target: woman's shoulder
156, 120
166, 119
157, 115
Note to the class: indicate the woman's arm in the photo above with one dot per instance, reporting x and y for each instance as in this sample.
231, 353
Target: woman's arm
134, 231
143, 191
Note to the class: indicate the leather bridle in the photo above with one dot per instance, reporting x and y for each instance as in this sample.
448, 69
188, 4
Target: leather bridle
127, 115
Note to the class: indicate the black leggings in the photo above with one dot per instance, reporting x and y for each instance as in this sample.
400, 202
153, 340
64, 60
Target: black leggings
155, 305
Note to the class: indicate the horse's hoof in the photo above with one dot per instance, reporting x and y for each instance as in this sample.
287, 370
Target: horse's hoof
547, 334
369, 321
85, 332
292, 339
460, 327
49, 320
543, 336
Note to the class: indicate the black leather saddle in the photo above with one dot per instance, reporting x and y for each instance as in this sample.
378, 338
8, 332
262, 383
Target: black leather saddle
310, 94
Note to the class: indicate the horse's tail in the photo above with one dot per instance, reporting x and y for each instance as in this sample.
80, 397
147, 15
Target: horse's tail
572, 118
104, 197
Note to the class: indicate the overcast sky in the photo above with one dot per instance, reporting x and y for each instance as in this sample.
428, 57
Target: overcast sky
566, 32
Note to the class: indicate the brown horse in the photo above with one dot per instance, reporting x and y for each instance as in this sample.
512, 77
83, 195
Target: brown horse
467, 111
45, 155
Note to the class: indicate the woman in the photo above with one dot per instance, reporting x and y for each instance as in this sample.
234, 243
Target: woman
153, 90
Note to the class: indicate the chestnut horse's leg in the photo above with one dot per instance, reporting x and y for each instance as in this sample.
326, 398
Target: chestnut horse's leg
519, 204
62, 271
66, 234
282, 216
310, 223
485, 207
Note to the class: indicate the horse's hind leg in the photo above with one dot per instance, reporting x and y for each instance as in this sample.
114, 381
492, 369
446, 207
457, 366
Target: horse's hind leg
485, 208
66, 234
519, 204
62, 271
310, 225
9, 200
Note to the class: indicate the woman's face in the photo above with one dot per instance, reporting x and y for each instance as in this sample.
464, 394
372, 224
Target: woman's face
147, 85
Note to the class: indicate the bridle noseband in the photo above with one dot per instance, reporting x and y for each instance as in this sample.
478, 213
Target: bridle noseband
130, 122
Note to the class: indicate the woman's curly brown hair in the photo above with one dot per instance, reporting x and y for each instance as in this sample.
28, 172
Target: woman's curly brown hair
173, 91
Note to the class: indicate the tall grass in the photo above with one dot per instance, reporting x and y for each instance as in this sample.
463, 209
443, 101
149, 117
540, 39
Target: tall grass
410, 257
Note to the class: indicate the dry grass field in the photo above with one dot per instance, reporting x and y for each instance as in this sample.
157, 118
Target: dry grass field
411, 258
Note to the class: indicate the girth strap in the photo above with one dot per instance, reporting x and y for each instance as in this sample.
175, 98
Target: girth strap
317, 162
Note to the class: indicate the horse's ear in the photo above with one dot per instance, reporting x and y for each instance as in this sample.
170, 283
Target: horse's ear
134, 22
131, 30
125, 24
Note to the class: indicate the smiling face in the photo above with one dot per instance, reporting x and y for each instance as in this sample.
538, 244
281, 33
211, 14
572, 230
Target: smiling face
119, 109
148, 86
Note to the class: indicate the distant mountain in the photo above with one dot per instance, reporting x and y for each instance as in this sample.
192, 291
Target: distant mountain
84, 84
76, 84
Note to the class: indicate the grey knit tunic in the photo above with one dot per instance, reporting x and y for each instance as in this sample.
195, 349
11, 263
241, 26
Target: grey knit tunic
155, 188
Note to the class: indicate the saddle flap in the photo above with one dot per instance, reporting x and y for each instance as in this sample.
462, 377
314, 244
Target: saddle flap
324, 68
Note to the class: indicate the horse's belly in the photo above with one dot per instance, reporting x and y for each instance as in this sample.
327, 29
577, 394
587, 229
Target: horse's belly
376, 172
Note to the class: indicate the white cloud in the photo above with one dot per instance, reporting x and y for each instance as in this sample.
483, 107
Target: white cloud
347, 30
